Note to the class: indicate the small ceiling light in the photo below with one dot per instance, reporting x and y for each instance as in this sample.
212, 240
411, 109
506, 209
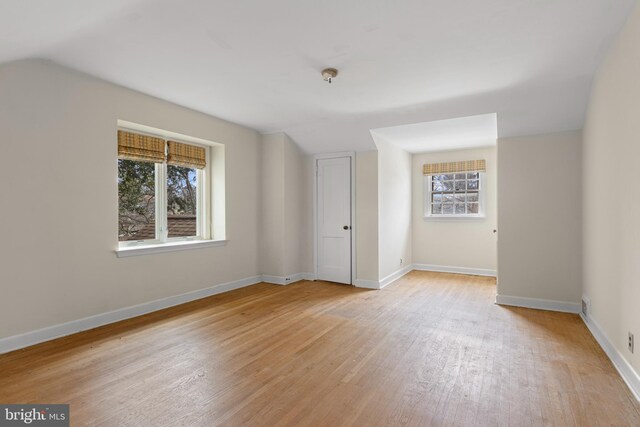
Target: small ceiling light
329, 74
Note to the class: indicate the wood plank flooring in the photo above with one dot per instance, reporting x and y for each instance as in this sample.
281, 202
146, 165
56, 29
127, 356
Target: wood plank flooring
430, 349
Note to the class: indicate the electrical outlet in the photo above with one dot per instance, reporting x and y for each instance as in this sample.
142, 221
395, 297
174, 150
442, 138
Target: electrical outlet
401, 261
630, 342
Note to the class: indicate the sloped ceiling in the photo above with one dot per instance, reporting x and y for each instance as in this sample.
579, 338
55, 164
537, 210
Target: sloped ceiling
258, 63
440, 135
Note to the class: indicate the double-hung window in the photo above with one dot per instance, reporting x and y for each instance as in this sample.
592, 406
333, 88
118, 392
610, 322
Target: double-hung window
454, 189
161, 190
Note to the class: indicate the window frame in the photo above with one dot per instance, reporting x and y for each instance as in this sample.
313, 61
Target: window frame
204, 214
427, 184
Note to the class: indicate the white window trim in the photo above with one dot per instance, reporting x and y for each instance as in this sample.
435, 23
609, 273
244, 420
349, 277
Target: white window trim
171, 246
427, 202
204, 230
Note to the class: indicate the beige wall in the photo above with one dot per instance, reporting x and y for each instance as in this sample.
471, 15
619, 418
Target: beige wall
286, 243
539, 217
461, 243
57, 262
298, 209
272, 205
366, 231
611, 269
394, 208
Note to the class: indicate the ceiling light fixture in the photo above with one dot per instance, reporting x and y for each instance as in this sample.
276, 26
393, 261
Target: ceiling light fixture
329, 74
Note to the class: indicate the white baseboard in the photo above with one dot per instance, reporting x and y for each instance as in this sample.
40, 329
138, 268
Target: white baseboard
26, 339
274, 280
626, 371
303, 276
52, 332
287, 280
458, 270
372, 284
395, 276
367, 284
540, 304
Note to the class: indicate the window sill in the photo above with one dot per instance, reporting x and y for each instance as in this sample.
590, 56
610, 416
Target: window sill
167, 247
453, 217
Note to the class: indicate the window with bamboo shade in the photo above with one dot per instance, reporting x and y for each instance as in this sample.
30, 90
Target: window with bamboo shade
454, 189
161, 189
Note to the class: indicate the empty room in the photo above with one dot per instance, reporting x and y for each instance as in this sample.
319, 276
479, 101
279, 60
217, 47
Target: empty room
319, 213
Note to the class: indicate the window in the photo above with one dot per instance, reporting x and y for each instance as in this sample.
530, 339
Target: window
454, 189
161, 190
136, 200
182, 201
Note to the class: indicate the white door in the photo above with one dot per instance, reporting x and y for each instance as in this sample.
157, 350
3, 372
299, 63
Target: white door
334, 220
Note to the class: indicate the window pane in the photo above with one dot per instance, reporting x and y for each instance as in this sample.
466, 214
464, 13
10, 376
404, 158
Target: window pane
447, 185
437, 185
136, 200
181, 201
455, 194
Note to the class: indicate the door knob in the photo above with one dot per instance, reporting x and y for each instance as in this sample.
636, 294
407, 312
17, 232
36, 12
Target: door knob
346, 227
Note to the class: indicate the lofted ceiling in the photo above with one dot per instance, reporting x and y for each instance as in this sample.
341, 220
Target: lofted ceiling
258, 63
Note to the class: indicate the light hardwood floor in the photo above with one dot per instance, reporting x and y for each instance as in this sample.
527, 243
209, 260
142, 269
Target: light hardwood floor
430, 349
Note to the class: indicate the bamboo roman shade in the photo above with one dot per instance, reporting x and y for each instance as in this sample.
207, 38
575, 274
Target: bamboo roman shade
453, 167
134, 146
187, 155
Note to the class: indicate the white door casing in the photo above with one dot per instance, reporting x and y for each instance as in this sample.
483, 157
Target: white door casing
334, 228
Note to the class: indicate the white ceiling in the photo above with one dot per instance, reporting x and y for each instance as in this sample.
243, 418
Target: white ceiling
258, 63
449, 134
